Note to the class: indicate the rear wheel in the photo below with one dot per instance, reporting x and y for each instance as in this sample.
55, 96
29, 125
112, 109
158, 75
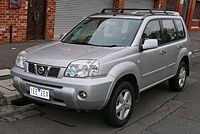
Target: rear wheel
119, 109
177, 83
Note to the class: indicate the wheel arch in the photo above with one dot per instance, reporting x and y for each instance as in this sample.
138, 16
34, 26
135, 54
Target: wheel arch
183, 56
131, 78
127, 71
185, 59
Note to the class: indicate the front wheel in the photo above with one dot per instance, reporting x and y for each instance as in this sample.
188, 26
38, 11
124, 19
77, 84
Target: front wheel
177, 83
119, 109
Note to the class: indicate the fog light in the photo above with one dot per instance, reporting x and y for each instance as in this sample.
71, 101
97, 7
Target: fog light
83, 94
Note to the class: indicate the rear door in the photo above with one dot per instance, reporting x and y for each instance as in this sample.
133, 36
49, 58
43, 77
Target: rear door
173, 38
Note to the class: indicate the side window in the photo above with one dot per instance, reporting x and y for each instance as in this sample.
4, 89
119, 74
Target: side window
169, 31
152, 31
180, 29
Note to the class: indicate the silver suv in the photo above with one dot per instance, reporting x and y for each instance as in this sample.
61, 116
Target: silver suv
106, 61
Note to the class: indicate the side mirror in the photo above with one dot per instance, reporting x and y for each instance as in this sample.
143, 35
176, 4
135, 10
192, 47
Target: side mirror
62, 35
150, 44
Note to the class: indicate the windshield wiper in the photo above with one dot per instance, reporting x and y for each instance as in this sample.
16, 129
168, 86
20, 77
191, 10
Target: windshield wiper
87, 43
90, 44
101, 45
82, 43
109, 46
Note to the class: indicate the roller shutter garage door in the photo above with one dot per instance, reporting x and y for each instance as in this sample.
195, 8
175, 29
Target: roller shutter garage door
71, 12
139, 4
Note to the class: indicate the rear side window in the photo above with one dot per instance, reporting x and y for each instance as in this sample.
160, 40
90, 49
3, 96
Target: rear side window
169, 31
152, 31
180, 29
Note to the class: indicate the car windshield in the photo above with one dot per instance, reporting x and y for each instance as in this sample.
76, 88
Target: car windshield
106, 32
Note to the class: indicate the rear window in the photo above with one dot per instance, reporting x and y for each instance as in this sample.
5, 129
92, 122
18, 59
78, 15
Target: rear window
180, 29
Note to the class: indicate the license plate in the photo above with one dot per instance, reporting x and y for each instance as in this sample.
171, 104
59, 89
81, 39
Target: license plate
39, 92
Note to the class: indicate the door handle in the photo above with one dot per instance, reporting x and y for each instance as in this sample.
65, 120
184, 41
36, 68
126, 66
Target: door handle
163, 52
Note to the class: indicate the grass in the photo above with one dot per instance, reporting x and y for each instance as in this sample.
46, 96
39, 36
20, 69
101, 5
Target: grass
5, 77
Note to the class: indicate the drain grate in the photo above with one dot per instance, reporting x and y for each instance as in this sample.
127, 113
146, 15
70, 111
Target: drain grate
21, 102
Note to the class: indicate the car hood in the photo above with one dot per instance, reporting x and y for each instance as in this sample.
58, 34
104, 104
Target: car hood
61, 54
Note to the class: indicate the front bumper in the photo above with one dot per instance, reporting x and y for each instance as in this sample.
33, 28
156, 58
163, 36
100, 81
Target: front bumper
65, 91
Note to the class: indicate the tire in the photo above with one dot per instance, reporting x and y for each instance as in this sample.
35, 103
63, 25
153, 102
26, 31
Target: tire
123, 98
177, 83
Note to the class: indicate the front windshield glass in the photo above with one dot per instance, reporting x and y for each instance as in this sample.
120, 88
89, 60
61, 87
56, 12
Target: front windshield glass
104, 32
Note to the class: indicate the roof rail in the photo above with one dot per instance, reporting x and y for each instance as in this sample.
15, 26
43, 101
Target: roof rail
151, 11
122, 9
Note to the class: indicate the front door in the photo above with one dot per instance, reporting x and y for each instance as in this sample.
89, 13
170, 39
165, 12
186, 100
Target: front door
36, 19
153, 61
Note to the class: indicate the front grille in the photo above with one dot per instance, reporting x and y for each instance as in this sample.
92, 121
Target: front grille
31, 68
43, 70
53, 72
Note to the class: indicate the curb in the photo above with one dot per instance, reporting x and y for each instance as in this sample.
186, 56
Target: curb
2, 101
4, 74
195, 54
8, 93
196, 51
9, 98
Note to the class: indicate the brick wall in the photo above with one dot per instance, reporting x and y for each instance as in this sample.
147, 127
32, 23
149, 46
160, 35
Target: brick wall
50, 19
18, 19
15, 17
118, 3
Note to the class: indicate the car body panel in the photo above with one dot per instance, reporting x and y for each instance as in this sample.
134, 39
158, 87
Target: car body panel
61, 54
153, 65
64, 92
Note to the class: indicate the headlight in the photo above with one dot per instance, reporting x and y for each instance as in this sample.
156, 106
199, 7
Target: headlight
83, 68
21, 58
